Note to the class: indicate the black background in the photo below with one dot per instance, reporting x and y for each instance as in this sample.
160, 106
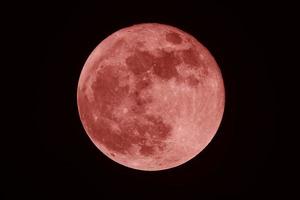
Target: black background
244, 158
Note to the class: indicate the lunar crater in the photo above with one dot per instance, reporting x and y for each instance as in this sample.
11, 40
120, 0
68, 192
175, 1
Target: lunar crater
173, 37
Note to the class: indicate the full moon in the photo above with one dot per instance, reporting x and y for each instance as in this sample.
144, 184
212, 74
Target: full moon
150, 97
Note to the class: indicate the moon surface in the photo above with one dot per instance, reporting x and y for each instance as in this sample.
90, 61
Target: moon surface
150, 97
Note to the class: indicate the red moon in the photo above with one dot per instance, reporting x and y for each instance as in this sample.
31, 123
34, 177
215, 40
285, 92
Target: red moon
150, 97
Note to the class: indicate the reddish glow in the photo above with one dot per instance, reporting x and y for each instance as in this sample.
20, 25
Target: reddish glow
150, 97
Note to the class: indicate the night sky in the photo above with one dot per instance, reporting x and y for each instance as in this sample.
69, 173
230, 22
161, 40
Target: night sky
242, 159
